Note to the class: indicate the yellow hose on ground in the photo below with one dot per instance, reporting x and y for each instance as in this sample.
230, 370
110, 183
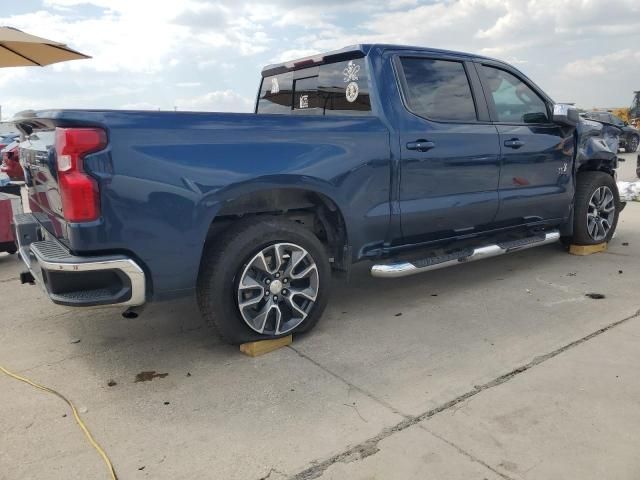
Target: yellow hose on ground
84, 428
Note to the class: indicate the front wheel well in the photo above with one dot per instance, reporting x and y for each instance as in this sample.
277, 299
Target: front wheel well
313, 210
606, 166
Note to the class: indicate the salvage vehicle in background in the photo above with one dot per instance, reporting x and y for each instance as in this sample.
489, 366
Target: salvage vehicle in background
629, 136
7, 139
413, 158
10, 161
634, 109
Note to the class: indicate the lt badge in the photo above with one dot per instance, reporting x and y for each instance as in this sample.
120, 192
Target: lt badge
563, 169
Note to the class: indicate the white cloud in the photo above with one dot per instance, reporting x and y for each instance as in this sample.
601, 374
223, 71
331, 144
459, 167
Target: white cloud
294, 55
149, 53
140, 106
218, 101
11, 75
610, 64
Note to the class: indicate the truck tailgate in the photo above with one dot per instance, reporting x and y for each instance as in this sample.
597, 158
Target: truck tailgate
37, 155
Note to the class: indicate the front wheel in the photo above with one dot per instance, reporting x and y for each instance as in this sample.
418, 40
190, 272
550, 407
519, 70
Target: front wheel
632, 144
263, 278
596, 210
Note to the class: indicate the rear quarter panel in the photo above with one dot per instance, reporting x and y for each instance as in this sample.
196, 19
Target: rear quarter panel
166, 175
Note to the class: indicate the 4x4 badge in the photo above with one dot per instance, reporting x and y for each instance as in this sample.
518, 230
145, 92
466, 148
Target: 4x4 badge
563, 169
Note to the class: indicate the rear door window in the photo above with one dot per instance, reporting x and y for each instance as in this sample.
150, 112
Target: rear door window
514, 100
438, 89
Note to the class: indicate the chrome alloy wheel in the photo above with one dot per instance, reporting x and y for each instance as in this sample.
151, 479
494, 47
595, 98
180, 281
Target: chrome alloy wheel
601, 213
278, 289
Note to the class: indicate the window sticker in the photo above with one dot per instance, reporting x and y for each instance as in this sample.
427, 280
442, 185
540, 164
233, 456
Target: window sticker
304, 101
351, 75
275, 87
351, 92
351, 72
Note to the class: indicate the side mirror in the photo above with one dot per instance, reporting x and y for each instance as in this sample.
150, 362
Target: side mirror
565, 114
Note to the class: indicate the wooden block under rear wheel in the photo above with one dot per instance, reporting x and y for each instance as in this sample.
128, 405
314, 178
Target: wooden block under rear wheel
587, 249
255, 349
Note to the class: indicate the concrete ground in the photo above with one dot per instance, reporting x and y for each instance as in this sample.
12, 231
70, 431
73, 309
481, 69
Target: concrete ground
500, 369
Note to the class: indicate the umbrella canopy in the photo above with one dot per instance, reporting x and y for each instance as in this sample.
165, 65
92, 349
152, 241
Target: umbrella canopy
19, 49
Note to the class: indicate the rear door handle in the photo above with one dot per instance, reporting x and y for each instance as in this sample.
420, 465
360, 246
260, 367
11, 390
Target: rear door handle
514, 143
421, 145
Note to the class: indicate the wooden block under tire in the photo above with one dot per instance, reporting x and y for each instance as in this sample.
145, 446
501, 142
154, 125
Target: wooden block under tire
255, 349
587, 249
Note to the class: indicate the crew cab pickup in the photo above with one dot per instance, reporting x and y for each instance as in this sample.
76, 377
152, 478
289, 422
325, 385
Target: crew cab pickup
412, 158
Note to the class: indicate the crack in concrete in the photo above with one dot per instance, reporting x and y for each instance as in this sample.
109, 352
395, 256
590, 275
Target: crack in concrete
351, 385
370, 447
54, 363
272, 470
466, 454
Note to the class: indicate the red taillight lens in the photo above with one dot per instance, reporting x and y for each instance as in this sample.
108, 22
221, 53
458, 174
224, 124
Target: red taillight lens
78, 191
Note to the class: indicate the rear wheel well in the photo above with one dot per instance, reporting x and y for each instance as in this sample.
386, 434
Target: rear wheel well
313, 210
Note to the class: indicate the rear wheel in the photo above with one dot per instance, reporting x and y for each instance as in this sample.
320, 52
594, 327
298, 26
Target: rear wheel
632, 144
263, 278
596, 210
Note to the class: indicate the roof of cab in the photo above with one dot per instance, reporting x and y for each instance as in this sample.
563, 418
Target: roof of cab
349, 53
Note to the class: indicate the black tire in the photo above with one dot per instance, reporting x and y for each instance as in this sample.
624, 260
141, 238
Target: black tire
632, 144
11, 250
224, 260
587, 184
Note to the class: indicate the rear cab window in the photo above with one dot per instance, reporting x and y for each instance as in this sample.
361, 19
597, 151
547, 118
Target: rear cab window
340, 88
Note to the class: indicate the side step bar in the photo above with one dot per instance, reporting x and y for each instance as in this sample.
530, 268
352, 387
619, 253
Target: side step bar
405, 268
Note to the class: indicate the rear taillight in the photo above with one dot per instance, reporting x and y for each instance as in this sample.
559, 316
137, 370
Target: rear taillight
78, 191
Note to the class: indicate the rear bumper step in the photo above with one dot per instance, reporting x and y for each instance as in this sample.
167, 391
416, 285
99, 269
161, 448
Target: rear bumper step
77, 280
405, 268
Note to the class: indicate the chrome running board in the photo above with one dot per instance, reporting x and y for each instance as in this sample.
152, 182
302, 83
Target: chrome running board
405, 268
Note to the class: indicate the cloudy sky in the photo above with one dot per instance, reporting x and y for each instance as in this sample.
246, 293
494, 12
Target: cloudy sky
207, 55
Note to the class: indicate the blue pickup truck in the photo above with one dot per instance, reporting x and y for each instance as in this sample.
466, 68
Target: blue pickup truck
412, 158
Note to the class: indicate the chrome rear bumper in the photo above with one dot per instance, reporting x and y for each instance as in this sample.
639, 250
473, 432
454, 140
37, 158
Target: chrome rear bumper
77, 280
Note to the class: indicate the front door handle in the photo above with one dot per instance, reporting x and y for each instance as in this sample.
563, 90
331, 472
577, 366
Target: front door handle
421, 145
514, 143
